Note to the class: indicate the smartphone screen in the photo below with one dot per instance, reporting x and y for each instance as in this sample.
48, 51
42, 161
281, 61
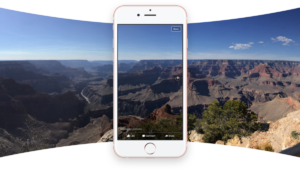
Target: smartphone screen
150, 74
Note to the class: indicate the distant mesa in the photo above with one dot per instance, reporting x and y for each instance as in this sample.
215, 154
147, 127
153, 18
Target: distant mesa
104, 68
232, 68
76, 63
123, 67
146, 76
39, 78
201, 86
295, 71
194, 72
147, 64
264, 70
54, 66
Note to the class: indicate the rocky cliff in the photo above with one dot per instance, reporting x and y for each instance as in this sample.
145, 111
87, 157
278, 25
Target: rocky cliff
106, 132
147, 64
233, 68
12, 112
76, 63
276, 108
264, 70
278, 136
26, 73
152, 81
23, 99
99, 92
123, 67
54, 66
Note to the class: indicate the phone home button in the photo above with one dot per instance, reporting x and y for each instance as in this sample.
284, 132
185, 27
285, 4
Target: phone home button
150, 148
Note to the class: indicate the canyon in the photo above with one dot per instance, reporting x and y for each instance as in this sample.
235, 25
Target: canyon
72, 100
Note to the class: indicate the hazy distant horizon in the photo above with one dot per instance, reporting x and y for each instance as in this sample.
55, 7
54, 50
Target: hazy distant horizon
26, 36
164, 59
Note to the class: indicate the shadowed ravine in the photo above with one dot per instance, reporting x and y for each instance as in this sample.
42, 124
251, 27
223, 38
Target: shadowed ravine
74, 105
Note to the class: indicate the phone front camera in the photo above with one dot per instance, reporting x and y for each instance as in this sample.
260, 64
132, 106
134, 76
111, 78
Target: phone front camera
138, 15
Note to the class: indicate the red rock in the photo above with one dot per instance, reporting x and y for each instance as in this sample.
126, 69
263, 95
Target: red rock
163, 112
263, 70
133, 122
295, 71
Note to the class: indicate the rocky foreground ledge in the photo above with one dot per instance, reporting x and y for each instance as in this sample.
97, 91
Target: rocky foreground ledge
278, 135
106, 135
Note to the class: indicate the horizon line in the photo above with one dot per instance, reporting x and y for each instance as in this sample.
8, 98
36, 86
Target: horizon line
148, 59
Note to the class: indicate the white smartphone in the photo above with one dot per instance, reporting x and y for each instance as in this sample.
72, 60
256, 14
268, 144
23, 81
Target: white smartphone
150, 81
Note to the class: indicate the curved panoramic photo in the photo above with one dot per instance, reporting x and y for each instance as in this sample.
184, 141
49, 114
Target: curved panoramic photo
56, 83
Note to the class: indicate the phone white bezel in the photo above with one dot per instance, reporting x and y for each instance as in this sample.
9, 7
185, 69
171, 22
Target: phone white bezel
164, 15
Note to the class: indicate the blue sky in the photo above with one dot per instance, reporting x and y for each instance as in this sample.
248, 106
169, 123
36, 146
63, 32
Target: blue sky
272, 37
26, 36
149, 42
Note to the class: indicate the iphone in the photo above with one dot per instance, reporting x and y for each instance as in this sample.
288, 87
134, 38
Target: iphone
150, 81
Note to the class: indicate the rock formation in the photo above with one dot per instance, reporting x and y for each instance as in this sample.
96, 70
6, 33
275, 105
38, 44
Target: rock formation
54, 66
132, 122
276, 108
147, 64
104, 68
76, 63
18, 100
195, 137
86, 134
263, 70
150, 84
163, 112
278, 136
39, 79
108, 136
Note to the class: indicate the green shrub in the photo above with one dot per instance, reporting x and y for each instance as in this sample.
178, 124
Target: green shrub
169, 125
191, 121
295, 135
198, 127
223, 123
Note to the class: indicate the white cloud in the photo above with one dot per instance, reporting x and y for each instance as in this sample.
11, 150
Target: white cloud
241, 46
261, 42
282, 39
